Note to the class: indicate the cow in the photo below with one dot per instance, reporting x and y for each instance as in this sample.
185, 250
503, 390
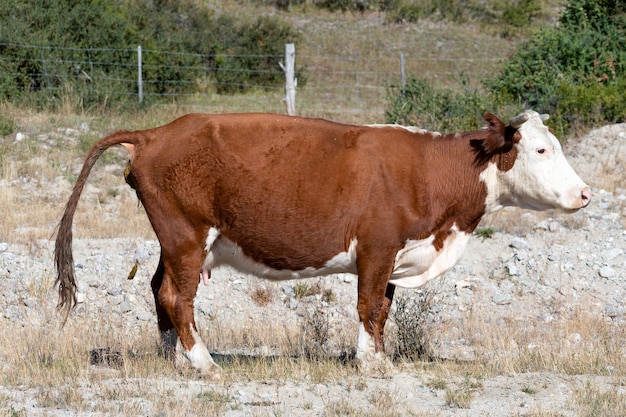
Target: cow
286, 197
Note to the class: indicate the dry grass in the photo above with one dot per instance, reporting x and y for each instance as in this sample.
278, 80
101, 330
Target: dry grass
579, 343
58, 363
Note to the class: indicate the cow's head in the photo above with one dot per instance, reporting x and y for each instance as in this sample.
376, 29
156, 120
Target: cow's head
533, 174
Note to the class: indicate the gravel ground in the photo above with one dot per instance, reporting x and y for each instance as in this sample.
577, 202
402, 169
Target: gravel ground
575, 262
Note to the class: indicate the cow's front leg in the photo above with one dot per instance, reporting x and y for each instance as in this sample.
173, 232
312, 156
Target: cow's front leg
374, 303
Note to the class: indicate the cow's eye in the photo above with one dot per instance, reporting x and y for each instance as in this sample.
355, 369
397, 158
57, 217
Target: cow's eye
541, 151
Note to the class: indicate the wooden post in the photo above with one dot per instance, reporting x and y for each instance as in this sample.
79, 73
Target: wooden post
139, 80
290, 80
402, 72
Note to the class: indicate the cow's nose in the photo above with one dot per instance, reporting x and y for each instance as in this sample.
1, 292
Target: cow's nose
585, 196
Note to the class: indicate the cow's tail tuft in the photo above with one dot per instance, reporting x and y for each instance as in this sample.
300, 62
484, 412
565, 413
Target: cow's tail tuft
63, 257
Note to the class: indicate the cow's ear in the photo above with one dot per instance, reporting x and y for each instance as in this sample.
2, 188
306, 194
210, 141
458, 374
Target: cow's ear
492, 139
495, 137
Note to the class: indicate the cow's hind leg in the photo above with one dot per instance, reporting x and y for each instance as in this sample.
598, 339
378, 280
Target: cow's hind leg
169, 337
175, 295
374, 303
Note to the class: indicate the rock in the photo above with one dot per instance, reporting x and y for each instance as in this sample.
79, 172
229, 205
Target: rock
512, 269
125, 307
554, 226
288, 290
610, 255
519, 243
575, 338
145, 316
501, 299
31, 302
611, 311
607, 272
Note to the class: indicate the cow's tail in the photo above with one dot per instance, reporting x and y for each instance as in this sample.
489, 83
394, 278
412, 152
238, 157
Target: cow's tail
63, 257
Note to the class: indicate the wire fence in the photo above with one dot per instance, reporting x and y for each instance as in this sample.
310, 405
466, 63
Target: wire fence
326, 85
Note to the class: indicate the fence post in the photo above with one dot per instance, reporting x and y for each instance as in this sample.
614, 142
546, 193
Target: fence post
139, 81
290, 80
402, 72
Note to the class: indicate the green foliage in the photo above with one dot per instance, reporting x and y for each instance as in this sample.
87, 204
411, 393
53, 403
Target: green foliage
517, 13
575, 71
253, 52
458, 11
7, 125
344, 5
85, 35
421, 104
485, 232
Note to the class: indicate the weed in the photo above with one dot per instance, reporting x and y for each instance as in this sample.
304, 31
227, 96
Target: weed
485, 232
17, 413
328, 295
461, 398
262, 295
437, 384
414, 326
7, 125
529, 390
593, 401
300, 290
315, 327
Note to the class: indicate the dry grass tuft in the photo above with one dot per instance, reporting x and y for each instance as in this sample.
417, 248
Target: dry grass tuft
577, 343
262, 295
593, 401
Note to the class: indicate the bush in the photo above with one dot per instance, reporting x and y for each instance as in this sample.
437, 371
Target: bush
571, 70
445, 110
7, 125
85, 35
414, 326
253, 53
576, 72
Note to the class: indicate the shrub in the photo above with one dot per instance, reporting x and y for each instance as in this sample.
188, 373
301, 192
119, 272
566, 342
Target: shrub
572, 69
92, 50
414, 328
253, 53
420, 104
7, 125
576, 72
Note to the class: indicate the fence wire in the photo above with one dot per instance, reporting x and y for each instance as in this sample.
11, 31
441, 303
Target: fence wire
338, 83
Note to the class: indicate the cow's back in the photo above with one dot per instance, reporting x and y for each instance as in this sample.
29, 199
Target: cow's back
293, 189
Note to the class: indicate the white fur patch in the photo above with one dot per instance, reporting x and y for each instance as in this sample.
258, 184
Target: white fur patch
419, 262
199, 355
223, 251
365, 344
412, 129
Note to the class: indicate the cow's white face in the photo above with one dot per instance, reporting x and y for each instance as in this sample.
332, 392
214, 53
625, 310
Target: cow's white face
541, 178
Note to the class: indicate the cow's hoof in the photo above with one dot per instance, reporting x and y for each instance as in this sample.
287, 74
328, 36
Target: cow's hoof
376, 366
214, 373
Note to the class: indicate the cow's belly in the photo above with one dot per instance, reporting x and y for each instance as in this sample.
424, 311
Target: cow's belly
419, 262
222, 251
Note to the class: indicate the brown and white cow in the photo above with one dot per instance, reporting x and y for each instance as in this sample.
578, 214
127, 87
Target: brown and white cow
291, 197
